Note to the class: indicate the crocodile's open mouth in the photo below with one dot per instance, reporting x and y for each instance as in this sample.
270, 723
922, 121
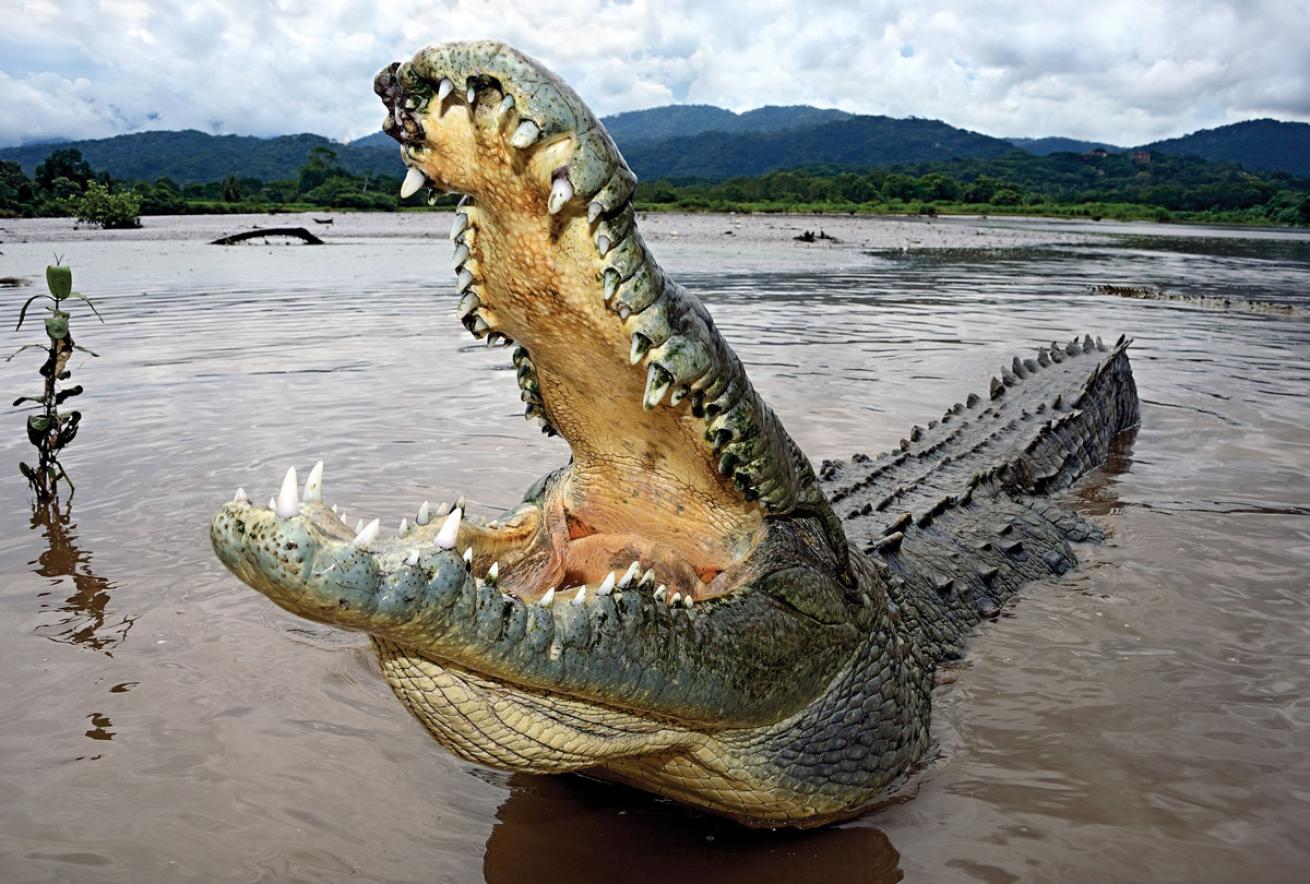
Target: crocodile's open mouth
675, 461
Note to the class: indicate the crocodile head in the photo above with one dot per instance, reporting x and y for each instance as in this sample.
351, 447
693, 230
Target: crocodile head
660, 608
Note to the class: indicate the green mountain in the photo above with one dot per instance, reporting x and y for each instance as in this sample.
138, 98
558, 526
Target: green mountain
1256, 144
858, 142
681, 120
1044, 147
190, 156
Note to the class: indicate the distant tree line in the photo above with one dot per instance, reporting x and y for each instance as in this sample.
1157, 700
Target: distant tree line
64, 184
1146, 185
1134, 185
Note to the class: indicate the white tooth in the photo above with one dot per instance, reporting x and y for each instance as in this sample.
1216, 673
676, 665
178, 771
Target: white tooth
471, 96
546, 600
593, 212
359, 524
404, 528
272, 504
462, 503
629, 575
468, 555
607, 585
442, 508
458, 226
676, 600
314, 485
659, 592
493, 573
526, 133
342, 514
414, 181
603, 245
463, 281
334, 509
461, 255
367, 534
688, 601
560, 193
444, 88
412, 558
287, 505
424, 514
648, 578
240, 496
580, 597
449, 530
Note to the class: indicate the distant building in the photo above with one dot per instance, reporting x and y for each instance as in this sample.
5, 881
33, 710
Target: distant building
1141, 157
1099, 152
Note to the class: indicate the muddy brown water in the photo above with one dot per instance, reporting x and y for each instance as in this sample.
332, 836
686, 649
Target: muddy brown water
1145, 718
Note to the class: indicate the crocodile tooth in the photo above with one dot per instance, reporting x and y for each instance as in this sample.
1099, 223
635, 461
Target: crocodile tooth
640, 344
240, 496
471, 96
462, 503
287, 502
676, 600
342, 514
560, 193
603, 245
272, 504
458, 226
688, 601
414, 181
467, 305
493, 573
546, 600
367, 534
314, 485
442, 509
412, 558
468, 555
459, 257
506, 105
359, 524
612, 281
404, 528
334, 508
607, 585
444, 88
659, 592
647, 579
463, 281
593, 212
581, 597
630, 575
449, 529
480, 327
424, 514
658, 382
525, 135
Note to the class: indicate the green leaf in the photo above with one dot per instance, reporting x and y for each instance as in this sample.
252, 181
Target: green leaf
82, 297
25, 347
85, 350
22, 314
57, 326
60, 279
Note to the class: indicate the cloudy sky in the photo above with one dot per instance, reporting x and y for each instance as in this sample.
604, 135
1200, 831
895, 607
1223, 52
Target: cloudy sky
1124, 72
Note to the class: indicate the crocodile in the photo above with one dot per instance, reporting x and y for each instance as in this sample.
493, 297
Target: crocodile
687, 606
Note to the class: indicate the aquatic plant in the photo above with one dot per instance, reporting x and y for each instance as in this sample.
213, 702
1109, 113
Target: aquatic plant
49, 429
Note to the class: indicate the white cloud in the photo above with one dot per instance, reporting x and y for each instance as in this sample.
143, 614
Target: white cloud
1113, 70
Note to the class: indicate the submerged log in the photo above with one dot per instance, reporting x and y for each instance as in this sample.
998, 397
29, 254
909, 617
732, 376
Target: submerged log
298, 232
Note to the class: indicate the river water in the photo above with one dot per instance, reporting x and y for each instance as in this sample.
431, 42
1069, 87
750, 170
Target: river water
1144, 718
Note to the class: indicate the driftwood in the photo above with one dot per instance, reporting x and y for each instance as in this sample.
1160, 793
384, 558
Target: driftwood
323, 220
258, 232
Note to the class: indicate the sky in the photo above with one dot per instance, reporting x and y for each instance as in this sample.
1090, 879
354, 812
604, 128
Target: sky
1121, 72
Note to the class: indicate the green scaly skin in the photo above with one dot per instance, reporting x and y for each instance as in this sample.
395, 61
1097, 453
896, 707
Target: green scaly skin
790, 682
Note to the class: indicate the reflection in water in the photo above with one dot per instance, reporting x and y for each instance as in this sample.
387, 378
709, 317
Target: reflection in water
570, 829
83, 616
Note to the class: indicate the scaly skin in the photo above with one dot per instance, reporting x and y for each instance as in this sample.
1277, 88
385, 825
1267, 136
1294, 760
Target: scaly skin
679, 608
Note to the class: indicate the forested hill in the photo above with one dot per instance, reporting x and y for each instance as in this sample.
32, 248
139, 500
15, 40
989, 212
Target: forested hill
1256, 144
191, 156
680, 120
